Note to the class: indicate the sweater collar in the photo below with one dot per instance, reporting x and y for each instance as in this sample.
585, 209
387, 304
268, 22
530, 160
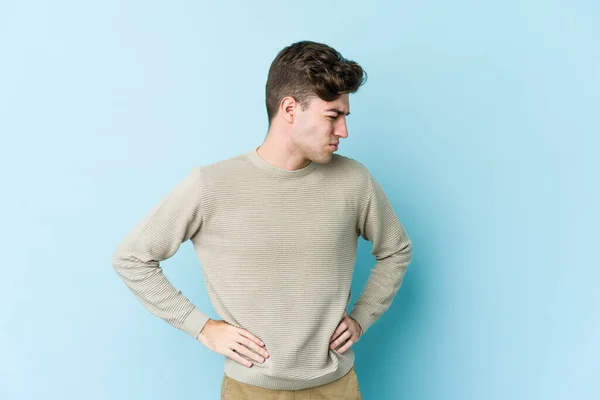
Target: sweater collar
257, 160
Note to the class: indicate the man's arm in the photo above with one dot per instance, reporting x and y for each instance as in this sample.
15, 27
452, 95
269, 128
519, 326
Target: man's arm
174, 220
392, 249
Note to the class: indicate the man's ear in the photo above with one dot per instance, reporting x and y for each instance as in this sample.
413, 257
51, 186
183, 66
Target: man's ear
288, 108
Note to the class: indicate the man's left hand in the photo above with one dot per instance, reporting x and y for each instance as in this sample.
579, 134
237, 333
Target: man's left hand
348, 332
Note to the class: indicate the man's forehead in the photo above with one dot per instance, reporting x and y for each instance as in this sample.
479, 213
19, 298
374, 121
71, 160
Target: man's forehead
340, 105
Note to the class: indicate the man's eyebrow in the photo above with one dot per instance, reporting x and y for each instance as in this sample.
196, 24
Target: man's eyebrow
337, 110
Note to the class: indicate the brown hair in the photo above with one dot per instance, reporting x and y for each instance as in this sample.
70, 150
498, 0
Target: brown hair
304, 70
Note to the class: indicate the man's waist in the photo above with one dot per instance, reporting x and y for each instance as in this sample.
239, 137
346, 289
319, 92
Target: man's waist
283, 376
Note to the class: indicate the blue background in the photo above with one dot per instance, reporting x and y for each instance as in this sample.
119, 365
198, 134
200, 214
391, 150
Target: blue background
480, 120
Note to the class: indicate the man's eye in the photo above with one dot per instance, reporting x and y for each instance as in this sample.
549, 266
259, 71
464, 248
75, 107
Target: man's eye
332, 117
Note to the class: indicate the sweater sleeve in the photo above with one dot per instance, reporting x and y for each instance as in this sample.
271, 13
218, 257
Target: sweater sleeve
392, 249
156, 237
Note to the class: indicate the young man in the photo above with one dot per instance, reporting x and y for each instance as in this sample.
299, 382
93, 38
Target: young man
275, 230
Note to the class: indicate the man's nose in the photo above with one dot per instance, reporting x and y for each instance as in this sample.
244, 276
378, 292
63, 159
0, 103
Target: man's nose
341, 130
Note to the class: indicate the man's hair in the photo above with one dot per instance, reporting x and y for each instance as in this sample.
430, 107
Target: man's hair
304, 70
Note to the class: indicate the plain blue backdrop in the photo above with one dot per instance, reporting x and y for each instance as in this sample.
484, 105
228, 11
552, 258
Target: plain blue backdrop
479, 118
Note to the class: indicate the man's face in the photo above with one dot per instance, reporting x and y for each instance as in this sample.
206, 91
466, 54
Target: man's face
320, 126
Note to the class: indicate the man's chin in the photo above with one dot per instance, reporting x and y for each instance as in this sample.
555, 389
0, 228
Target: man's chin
326, 159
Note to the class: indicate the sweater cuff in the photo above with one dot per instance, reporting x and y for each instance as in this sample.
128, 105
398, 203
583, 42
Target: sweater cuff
194, 323
361, 316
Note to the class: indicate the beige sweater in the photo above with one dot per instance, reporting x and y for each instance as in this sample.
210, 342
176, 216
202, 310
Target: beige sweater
277, 249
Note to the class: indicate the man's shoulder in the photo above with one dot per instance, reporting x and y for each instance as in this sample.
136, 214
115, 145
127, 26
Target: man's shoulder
349, 166
223, 168
350, 177
347, 161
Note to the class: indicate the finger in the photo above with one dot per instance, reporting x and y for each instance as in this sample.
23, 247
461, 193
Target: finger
340, 340
252, 345
340, 329
236, 357
250, 336
248, 353
346, 346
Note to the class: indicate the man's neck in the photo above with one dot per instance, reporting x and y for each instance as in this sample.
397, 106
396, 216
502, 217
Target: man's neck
276, 151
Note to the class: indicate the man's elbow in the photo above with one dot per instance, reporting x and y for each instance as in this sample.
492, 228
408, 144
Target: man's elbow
119, 259
406, 252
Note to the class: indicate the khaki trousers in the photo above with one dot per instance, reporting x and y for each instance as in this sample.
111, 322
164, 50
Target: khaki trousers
345, 388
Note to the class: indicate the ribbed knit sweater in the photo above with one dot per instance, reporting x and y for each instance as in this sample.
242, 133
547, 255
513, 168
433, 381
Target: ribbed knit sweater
277, 250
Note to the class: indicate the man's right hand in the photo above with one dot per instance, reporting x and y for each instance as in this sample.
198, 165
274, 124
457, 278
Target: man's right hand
230, 341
